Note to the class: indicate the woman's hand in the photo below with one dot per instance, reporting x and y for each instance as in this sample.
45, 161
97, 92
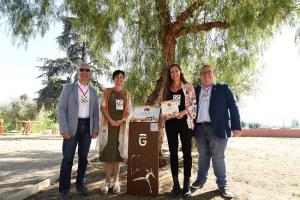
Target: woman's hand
114, 123
167, 117
120, 122
181, 114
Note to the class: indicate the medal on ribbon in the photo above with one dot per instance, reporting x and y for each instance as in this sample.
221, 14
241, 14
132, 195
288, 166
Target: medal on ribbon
83, 97
205, 95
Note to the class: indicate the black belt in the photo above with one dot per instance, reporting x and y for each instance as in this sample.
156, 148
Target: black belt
84, 119
204, 124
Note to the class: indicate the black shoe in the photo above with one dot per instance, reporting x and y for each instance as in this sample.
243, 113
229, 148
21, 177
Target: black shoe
82, 190
226, 192
64, 195
187, 193
197, 184
176, 187
186, 188
175, 191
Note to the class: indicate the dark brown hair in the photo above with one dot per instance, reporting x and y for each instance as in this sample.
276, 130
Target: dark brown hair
169, 80
117, 72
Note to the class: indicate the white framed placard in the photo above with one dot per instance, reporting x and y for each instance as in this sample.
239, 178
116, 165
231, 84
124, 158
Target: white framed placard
145, 114
169, 107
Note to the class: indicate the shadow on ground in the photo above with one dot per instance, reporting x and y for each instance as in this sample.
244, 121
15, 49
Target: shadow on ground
95, 179
20, 169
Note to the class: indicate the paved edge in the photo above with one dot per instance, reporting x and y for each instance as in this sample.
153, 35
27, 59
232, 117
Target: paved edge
33, 189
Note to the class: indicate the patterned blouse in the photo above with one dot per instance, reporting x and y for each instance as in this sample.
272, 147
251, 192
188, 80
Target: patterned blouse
190, 103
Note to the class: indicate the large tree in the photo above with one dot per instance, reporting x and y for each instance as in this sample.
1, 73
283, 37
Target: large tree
227, 34
57, 72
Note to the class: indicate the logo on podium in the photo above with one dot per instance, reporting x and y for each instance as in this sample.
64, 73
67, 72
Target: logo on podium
142, 140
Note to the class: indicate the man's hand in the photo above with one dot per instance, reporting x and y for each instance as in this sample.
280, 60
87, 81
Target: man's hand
66, 135
94, 135
237, 133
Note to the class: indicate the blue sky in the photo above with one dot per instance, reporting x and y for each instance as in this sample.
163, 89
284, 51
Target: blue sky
18, 74
276, 100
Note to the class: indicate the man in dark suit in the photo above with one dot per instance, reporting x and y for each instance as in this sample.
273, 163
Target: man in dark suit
78, 116
213, 128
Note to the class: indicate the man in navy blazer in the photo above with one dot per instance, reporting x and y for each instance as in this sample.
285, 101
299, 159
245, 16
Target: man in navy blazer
78, 116
217, 116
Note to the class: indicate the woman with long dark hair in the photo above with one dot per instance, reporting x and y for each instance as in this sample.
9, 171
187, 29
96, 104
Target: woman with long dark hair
177, 88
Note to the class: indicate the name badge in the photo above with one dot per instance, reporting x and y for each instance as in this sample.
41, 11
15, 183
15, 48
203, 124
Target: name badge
177, 98
119, 104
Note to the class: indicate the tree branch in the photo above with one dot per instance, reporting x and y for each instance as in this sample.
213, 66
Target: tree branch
186, 14
162, 8
202, 27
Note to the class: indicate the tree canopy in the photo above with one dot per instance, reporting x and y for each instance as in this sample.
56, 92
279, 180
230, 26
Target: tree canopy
227, 34
21, 108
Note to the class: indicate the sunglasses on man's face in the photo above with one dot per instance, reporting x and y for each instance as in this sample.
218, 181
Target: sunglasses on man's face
84, 70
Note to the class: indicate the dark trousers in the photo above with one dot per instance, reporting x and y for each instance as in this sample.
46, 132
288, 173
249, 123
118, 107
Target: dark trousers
83, 139
173, 128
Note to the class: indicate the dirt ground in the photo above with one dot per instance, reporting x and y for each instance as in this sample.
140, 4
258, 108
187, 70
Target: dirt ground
28, 160
257, 168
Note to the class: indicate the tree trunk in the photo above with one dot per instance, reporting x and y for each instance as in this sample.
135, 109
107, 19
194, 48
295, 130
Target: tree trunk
169, 46
83, 52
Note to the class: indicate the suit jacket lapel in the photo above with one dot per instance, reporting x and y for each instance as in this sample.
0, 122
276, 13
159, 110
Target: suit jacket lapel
75, 88
198, 94
91, 102
212, 96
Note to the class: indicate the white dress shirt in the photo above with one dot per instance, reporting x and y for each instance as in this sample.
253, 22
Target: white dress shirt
83, 99
203, 108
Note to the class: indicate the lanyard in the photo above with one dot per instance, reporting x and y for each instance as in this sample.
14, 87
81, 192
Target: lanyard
84, 93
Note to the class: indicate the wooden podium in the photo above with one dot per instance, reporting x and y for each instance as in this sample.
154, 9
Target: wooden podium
143, 152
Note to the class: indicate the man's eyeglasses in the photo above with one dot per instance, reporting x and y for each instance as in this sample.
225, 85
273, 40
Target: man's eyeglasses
84, 70
206, 73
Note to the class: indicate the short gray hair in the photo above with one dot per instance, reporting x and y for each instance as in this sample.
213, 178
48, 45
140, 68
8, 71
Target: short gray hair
83, 64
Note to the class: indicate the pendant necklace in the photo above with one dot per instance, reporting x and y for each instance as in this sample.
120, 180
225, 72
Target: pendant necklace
83, 98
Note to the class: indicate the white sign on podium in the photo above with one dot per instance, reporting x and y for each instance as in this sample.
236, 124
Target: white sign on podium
145, 114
